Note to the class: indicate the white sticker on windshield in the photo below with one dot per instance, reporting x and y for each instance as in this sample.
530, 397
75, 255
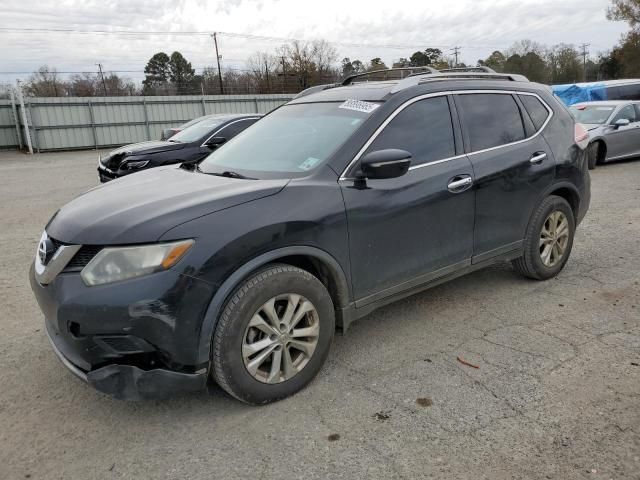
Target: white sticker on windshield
309, 163
359, 106
606, 109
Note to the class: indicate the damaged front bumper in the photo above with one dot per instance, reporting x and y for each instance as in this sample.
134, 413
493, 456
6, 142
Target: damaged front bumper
128, 382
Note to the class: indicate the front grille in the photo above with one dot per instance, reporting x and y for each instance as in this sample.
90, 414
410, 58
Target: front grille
82, 258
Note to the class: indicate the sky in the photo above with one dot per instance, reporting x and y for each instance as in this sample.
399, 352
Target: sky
358, 29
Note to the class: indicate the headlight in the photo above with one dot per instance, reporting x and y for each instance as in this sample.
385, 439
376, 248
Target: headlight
135, 165
119, 263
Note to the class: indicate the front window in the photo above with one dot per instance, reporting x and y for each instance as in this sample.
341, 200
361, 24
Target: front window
196, 131
291, 141
591, 114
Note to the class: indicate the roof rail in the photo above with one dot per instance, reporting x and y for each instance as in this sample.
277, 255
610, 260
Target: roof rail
428, 74
349, 80
425, 69
479, 68
414, 80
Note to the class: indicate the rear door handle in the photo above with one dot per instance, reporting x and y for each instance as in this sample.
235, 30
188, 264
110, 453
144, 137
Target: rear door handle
459, 183
537, 158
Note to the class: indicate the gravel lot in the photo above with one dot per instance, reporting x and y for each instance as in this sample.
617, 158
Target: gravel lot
556, 394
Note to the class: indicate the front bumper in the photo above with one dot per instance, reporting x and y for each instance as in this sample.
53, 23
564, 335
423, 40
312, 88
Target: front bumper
106, 175
128, 382
135, 339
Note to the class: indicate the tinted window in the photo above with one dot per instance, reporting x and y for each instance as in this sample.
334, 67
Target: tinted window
627, 112
197, 131
491, 119
424, 129
536, 110
234, 129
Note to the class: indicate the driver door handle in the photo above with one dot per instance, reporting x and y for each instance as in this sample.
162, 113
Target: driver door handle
459, 183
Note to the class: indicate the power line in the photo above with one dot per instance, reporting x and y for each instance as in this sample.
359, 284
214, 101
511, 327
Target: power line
226, 34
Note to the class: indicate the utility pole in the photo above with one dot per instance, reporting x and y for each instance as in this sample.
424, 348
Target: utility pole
456, 52
266, 69
284, 76
215, 40
104, 85
585, 52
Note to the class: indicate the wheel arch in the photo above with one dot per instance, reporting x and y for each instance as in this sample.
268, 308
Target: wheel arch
602, 148
567, 191
316, 261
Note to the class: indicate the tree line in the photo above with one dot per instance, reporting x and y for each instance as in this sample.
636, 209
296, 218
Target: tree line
297, 65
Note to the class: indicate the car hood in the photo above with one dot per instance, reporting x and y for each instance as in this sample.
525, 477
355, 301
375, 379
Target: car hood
113, 158
139, 208
591, 126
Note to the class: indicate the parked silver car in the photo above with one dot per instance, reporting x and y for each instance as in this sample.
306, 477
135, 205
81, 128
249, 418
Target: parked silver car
614, 129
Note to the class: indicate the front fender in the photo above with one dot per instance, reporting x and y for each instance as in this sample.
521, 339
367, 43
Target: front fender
224, 291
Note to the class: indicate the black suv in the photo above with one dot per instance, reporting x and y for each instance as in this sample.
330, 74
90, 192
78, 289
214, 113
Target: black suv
190, 145
341, 201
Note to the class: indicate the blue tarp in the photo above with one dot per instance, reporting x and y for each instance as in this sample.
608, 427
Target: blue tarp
581, 92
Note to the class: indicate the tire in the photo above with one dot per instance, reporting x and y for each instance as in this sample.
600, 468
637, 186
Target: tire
592, 155
265, 298
532, 264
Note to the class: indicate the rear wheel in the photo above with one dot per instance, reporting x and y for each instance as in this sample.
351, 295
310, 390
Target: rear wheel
548, 240
273, 335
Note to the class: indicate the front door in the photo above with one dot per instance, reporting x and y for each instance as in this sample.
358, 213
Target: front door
408, 230
624, 141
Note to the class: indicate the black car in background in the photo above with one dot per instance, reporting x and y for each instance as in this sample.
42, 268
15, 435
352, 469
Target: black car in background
188, 146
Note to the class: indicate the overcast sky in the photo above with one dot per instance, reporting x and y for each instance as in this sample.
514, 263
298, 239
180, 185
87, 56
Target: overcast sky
479, 27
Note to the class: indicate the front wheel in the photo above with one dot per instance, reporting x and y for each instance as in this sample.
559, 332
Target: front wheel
273, 335
548, 241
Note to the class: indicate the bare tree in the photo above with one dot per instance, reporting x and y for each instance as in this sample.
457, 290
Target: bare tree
45, 83
263, 68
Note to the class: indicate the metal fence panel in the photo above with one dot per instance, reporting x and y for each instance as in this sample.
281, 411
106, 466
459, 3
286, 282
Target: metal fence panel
63, 123
8, 135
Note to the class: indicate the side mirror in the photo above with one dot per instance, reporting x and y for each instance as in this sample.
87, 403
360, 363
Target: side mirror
215, 142
389, 163
623, 122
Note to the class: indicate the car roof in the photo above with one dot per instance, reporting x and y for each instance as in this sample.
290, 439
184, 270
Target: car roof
435, 81
231, 116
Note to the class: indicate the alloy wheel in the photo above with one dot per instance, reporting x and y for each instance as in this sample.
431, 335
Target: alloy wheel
280, 338
554, 238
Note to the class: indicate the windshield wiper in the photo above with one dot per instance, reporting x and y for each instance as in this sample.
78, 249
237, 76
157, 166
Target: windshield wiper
231, 174
173, 141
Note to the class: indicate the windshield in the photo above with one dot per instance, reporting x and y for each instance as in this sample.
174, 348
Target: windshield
196, 131
294, 139
191, 122
594, 114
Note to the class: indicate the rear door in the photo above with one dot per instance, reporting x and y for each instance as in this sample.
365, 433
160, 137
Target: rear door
624, 141
408, 230
512, 163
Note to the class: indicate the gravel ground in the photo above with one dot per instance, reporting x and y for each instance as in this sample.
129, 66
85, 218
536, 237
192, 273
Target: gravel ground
556, 394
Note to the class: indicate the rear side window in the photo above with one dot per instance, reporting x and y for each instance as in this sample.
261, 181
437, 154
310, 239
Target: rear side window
424, 129
536, 110
491, 119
